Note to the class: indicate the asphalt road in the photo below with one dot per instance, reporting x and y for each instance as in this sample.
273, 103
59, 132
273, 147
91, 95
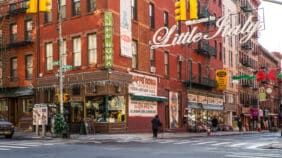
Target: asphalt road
237, 146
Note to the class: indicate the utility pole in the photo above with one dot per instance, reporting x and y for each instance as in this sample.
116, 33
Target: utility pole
61, 75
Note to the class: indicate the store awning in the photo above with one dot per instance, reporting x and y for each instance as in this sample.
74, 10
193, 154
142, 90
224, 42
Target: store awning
16, 92
148, 98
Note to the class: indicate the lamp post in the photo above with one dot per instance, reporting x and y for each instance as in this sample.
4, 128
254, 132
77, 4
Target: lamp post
61, 75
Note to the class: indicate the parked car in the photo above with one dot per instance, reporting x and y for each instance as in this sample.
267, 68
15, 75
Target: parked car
6, 128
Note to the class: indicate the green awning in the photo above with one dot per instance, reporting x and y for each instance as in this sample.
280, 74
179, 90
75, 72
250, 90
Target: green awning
148, 98
15, 92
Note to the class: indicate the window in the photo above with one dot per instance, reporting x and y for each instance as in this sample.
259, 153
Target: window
14, 32
220, 51
64, 52
166, 18
14, 69
48, 16
3, 105
27, 105
63, 9
28, 67
76, 91
152, 15
76, 51
28, 30
13, 7
134, 9
91, 5
230, 59
134, 54
199, 72
190, 71
179, 67
166, 64
75, 7
49, 56
92, 49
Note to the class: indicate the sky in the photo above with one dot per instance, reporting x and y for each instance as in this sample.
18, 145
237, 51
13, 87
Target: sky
270, 37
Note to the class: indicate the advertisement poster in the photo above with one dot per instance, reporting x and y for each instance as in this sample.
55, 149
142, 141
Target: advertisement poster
142, 108
125, 28
143, 85
40, 115
173, 109
221, 79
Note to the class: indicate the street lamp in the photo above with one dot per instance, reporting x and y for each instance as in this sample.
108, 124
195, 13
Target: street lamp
61, 75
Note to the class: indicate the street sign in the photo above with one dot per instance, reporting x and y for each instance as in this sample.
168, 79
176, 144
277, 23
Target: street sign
56, 63
68, 67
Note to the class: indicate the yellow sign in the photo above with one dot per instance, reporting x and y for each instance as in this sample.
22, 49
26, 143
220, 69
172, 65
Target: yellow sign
262, 94
221, 79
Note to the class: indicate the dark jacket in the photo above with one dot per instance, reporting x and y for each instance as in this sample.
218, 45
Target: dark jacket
156, 123
214, 122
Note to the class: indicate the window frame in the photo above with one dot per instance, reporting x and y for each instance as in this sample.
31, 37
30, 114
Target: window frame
28, 30
134, 54
166, 63
91, 5
14, 69
166, 21
91, 50
151, 15
49, 56
13, 32
134, 10
76, 5
76, 51
28, 67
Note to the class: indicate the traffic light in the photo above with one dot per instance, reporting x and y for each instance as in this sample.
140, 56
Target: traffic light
193, 9
32, 6
44, 6
180, 10
66, 98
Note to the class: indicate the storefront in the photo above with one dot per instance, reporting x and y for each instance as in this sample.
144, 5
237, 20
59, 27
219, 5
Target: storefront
201, 110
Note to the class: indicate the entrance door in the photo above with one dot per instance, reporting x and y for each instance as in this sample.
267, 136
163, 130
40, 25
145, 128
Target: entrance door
13, 108
167, 117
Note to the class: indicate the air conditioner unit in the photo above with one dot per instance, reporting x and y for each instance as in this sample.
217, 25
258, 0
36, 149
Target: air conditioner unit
180, 58
153, 69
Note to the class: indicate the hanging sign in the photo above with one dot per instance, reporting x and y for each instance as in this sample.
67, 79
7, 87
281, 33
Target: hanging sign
108, 39
262, 94
221, 79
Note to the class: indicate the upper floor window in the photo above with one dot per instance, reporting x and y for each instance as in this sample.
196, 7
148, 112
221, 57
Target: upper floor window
76, 51
151, 15
92, 49
152, 57
14, 32
48, 16
28, 67
230, 58
134, 55
179, 69
134, 9
49, 56
63, 8
14, 69
91, 5
75, 7
166, 18
166, 64
28, 30
13, 6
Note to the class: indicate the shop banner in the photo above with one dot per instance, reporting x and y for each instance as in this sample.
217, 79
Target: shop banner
125, 28
192, 98
173, 109
143, 85
142, 108
221, 79
202, 99
212, 101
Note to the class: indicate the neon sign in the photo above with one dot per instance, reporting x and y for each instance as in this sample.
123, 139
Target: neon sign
165, 37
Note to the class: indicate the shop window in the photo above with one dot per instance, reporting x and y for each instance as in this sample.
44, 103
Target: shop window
3, 106
100, 111
76, 112
27, 105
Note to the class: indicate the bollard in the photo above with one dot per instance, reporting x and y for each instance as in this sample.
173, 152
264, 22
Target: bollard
43, 130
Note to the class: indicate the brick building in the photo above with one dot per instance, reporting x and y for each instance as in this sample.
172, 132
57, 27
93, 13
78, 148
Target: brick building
116, 79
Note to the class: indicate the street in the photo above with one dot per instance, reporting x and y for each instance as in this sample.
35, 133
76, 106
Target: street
234, 146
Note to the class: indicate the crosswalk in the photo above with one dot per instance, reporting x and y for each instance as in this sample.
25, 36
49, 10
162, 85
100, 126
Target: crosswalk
212, 143
6, 146
251, 155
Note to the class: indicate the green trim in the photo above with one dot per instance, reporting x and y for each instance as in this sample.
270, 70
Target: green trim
148, 98
16, 92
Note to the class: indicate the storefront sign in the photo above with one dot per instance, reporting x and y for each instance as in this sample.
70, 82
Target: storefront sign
165, 37
142, 108
202, 99
125, 28
173, 109
192, 98
143, 85
221, 79
108, 39
211, 100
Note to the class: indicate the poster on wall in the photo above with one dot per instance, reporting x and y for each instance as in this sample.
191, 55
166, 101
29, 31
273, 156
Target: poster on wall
125, 28
142, 108
202, 99
173, 109
40, 114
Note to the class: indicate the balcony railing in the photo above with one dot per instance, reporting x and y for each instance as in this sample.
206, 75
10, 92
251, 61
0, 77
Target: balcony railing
201, 81
206, 49
246, 7
17, 8
246, 63
204, 13
246, 46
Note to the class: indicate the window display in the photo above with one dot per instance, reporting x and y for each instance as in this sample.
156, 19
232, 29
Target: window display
106, 109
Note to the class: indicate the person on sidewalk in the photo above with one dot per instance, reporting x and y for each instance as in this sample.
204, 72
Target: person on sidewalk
239, 123
214, 124
156, 123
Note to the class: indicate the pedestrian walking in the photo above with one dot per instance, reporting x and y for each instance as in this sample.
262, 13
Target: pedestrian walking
239, 123
156, 123
214, 124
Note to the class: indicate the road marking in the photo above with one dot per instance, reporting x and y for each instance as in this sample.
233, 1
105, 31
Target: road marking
4, 149
167, 141
253, 155
222, 143
16, 147
257, 145
186, 142
238, 144
205, 143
